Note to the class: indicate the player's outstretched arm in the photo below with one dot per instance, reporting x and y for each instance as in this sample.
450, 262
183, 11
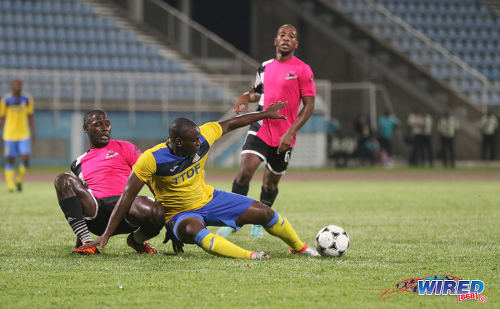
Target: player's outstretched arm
272, 111
133, 187
241, 104
286, 139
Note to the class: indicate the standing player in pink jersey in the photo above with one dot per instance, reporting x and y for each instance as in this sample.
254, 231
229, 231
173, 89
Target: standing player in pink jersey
285, 79
88, 196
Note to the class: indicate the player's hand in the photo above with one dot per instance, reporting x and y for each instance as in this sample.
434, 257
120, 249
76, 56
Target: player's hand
177, 245
273, 110
99, 242
241, 105
286, 141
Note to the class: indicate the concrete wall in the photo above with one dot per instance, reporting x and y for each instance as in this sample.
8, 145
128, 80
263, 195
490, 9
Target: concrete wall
56, 132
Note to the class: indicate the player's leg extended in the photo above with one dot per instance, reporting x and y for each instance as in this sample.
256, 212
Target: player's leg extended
76, 202
241, 184
273, 223
25, 150
269, 190
10, 153
192, 230
249, 164
149, 216
268, 194
9, 174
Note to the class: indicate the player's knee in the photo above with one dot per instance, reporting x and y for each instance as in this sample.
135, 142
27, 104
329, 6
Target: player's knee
63, 182
268, 213
243, 178
148, 213
188, 229
265, 213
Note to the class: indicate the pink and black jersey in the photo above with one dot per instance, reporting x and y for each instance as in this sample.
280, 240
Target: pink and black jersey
105, 171
284, 81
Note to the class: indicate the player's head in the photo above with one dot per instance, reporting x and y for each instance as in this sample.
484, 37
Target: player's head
98, 128
286, 40
184, 137
16, 85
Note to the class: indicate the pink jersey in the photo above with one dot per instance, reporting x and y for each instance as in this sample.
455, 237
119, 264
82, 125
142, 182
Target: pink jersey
284, 81
105, 170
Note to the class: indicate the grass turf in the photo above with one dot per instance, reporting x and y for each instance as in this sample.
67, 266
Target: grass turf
398, 230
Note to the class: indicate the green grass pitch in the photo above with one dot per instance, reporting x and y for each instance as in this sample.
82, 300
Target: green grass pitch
398, 230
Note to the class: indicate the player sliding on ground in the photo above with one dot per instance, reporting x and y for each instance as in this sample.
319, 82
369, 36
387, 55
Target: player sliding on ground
175, 170
88, 195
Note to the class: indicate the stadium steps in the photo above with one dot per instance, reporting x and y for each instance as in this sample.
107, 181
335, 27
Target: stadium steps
148, 35
493, 5
144, 34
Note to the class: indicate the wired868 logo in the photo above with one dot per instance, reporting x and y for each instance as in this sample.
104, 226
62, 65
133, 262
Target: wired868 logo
464, 289
439, 285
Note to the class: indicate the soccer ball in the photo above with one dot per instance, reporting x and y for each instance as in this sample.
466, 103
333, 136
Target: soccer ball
332, 240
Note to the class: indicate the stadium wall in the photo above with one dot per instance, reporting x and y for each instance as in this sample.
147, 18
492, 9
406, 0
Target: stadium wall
60, 137
58, 131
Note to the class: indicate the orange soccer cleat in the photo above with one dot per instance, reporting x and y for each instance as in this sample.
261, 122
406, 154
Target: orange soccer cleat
85, 251
145, 247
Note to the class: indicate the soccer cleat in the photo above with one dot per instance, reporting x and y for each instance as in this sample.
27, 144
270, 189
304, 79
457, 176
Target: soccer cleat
259, 255
306, 250
225, 231
19, 187
85, 251
145, 247
256, 231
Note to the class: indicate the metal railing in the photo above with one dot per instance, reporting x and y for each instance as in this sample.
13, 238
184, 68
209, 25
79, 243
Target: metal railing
194, 40
128, 91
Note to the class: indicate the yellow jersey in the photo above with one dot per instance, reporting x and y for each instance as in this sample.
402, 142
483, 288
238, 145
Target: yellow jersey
16, 111
179, 182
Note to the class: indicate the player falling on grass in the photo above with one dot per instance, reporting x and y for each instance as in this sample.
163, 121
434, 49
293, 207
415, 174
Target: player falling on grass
16, 112
88, 196
285, 79
175, 170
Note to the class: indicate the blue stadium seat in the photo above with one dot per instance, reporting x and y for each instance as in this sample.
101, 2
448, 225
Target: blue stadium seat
68, 35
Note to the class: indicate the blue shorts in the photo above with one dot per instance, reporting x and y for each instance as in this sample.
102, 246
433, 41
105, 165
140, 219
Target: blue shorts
222, 210
16, 148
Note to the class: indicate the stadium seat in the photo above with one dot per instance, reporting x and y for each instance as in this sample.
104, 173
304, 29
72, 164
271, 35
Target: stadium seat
460, 26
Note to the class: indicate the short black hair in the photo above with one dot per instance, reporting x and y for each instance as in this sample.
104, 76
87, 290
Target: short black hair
180, 126
288, 25
91, 113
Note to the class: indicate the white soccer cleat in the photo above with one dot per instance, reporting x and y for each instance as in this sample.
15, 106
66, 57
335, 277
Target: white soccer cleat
225, 231
259, 255
256, 231
306, 250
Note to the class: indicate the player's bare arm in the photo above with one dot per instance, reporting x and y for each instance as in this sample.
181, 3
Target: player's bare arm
272, 111
241, 104
286, 139
31, 122
132, 189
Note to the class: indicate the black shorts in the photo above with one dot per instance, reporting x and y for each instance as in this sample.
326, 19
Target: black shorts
276, 163
105, 207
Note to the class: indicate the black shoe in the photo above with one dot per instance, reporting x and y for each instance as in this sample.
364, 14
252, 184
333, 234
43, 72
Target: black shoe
19, 187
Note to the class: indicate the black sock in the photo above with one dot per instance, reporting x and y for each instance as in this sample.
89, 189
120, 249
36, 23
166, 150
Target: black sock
73, 212
268, 197
240, 189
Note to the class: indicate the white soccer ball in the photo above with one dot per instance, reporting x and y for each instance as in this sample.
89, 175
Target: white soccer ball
332, 240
